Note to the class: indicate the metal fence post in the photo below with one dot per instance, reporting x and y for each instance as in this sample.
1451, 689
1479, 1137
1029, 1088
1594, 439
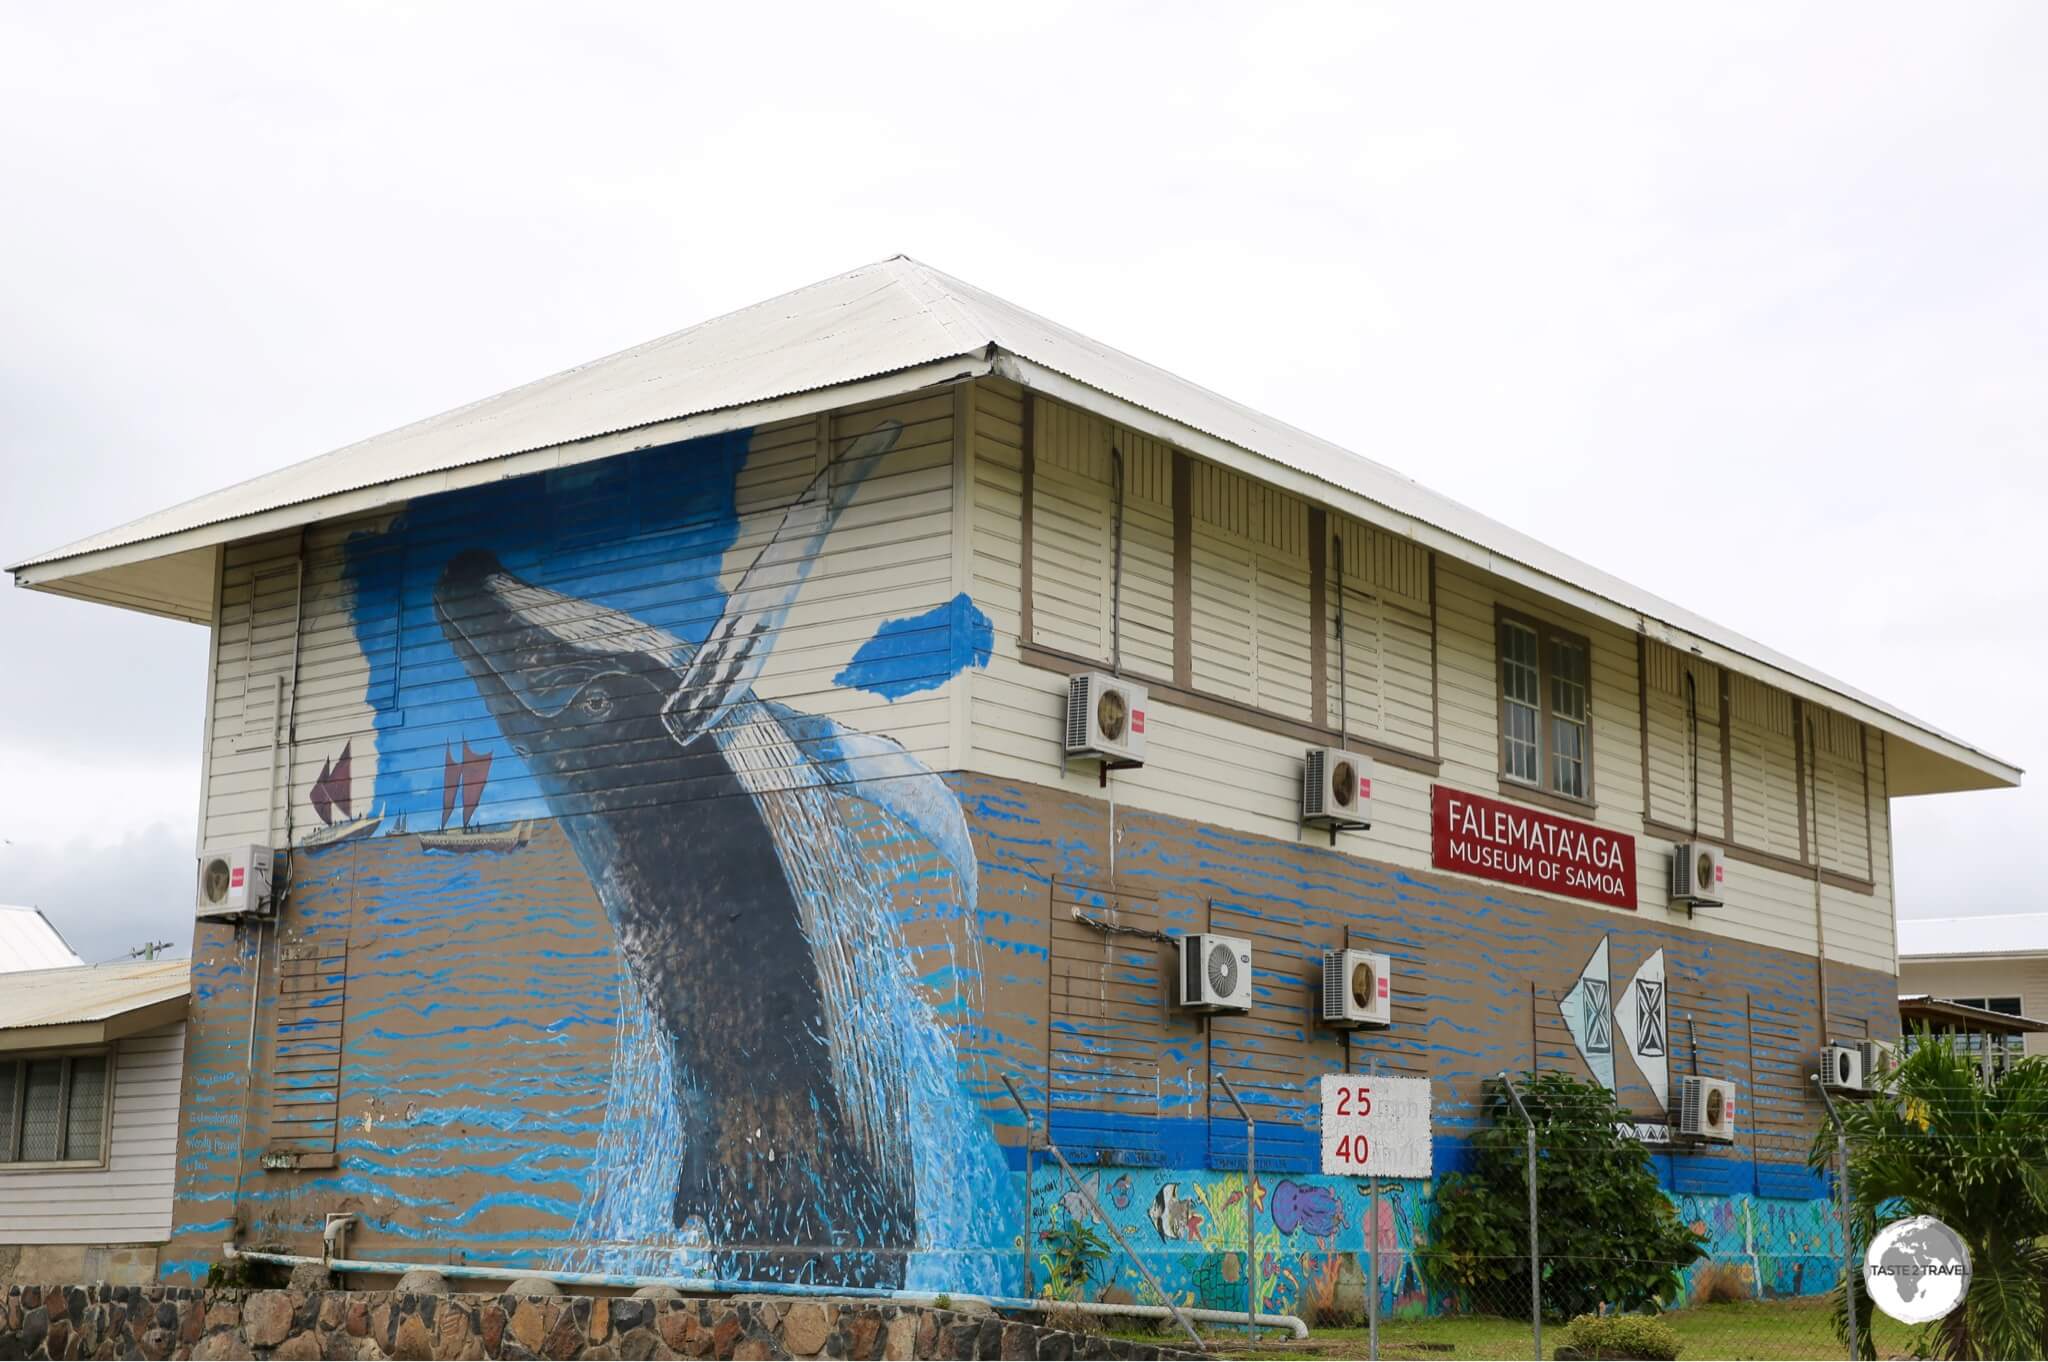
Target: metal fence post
1094, 1205
1535, 1264
1251, 1207
1030, 1136
1850, 1267
1372, 1262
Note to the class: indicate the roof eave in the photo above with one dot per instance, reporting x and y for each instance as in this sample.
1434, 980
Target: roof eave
131, 1021
1945, 765
126, 575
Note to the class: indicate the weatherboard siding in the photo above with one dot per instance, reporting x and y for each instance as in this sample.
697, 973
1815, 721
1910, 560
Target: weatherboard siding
374, 689
129, 1200
1989, 976
1407, 689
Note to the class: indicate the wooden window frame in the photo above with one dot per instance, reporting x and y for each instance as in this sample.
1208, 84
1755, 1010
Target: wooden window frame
10, 1139
1541, 791
1179, 689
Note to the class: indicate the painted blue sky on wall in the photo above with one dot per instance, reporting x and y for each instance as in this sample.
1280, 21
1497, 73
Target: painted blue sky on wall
646, 534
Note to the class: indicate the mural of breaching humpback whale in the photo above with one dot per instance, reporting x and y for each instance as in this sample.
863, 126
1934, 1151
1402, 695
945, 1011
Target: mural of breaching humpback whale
802, 1092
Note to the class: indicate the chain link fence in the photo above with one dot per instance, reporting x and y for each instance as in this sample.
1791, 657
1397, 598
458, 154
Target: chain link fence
1612, 1268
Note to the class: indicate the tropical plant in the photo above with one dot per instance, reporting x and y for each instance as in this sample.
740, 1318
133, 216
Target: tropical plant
1941, 1141
1073, 1251
1607, 1234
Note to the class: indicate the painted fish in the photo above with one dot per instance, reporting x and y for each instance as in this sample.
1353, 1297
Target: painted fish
1175, 1216
689, 801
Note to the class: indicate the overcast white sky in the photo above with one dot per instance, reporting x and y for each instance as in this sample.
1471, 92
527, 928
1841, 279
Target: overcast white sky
1742, 302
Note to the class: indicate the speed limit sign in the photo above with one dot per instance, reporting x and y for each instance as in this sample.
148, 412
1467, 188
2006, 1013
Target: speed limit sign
1376, 1126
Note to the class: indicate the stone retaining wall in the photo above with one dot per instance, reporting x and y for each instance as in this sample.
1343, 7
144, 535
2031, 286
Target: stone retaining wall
156, 1322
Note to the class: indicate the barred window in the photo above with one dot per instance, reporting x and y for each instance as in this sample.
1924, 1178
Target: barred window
1545, 708
53, 1109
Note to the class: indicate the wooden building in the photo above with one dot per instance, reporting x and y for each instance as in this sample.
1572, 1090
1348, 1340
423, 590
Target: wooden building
684, 842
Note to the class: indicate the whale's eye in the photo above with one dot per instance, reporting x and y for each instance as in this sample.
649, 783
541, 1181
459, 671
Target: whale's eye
595, 702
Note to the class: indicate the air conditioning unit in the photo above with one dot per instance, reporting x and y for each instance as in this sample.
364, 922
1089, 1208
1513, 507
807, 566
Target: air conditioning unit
1706, 1109
1841, 1068
1358, 989
1879, 1059
1336, 788
1215, 973
1106, 718
234, 882
1697, 874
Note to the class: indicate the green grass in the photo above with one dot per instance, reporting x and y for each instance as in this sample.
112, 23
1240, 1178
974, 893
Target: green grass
1748, 1330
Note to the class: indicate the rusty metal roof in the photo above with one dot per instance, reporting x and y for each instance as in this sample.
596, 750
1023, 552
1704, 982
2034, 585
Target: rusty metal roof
871, 332
88, 1004
1947, 1014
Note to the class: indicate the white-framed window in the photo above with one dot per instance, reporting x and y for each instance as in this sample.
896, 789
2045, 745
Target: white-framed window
53, 1108
1546, 688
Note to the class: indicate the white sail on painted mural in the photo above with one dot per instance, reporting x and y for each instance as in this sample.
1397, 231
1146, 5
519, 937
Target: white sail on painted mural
1587, 1018
1641, 1014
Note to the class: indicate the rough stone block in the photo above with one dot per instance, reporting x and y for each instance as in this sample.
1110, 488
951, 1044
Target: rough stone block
304, 1347
422, 1281
267, 1318
805, 1329
412, 1340
529, 1325
677, 1325
640, 1344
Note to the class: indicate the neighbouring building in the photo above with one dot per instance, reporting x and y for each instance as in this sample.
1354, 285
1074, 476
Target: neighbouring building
28, 940
679, 846
91, 1060
1997, 961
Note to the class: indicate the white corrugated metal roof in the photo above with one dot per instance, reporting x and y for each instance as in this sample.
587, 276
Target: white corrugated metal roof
28, 941
899, 317
90, 993
1926, 938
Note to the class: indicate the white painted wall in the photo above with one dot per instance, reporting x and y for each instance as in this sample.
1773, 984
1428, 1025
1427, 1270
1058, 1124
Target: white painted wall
946, 513
129, 1200
1251, 619
1994, 976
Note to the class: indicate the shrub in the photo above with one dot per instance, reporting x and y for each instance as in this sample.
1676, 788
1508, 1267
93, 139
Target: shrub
1620, 1336
1608, 1234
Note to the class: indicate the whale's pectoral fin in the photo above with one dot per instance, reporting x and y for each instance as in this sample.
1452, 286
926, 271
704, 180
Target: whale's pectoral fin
876, 769
737, 647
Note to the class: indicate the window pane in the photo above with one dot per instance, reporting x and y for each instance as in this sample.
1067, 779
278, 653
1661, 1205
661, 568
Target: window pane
1518, 663
84, 1122
1567, 679
2009, 1006
41, 1120
10, 1074
1521, 692
1568, 758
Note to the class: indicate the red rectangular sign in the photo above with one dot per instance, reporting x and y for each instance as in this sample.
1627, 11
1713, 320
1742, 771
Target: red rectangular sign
1496, 840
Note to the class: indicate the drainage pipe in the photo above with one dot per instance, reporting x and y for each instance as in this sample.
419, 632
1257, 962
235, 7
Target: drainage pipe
713, 1286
